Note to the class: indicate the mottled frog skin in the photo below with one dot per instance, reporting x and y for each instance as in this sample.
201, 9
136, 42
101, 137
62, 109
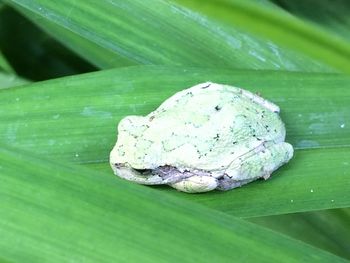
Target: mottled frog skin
210, 136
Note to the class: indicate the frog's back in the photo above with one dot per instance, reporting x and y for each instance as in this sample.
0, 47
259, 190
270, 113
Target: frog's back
202, 124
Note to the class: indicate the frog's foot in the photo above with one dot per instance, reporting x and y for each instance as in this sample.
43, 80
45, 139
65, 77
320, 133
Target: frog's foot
259, 163
196, 184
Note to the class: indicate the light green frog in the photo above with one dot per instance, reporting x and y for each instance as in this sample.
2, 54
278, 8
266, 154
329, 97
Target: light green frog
207, 137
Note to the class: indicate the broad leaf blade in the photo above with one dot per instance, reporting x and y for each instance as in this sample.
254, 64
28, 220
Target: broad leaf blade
160, 32
75, 119
302, 185
313, 180
101, 219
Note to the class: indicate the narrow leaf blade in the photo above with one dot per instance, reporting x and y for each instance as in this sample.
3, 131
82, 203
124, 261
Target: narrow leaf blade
279, 27
160, 33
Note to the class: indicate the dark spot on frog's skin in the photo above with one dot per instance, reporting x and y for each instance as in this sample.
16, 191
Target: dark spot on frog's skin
217, 137
275, 130
207, 86
151, 118
234, 142
244, 116
217, 108
259, 139
189, 93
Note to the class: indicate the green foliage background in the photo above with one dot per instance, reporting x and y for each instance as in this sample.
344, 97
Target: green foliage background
59, 200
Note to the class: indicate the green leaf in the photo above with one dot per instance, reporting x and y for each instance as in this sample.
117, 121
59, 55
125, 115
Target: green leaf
105, 220
158, 32
313, 180
11, 80
97, 55
327, 229
302, 185
75, 118
55, 212
4, 65
34, 54
332, 16
279, 27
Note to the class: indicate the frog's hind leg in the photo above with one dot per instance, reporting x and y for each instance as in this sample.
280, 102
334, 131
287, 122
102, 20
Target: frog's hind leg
258, 163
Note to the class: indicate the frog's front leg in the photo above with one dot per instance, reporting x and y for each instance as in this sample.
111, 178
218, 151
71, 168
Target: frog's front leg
196, 184
260, 162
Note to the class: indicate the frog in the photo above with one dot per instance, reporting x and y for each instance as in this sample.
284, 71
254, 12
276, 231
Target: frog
207, 137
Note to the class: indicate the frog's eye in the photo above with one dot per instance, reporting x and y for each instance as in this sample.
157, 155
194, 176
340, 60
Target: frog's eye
143, 171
